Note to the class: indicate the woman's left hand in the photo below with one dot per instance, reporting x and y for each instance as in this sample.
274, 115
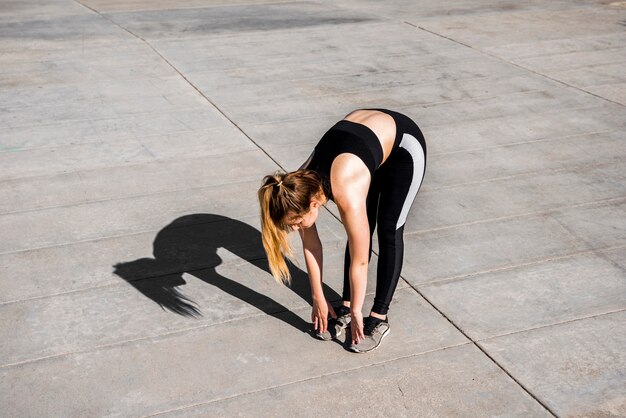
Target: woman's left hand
356, 327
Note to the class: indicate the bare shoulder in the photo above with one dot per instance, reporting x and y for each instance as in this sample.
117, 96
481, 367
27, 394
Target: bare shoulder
350, 179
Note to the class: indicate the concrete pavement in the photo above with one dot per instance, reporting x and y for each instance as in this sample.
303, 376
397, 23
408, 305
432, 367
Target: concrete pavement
134, 134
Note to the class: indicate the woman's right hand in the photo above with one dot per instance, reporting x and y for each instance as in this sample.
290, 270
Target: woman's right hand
319, 314
356, 326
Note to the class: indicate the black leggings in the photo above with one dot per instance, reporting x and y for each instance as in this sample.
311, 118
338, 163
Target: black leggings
392, 191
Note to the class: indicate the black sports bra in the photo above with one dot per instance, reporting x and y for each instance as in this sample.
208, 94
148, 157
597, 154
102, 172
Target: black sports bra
345, 137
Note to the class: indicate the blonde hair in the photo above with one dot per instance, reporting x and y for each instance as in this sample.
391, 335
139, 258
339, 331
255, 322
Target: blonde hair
280, 195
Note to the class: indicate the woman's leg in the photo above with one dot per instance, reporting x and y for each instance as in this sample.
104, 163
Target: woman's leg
402, 176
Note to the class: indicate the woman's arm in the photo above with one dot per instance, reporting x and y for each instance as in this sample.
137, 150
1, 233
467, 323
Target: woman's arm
313, 257
357, 228
351, 179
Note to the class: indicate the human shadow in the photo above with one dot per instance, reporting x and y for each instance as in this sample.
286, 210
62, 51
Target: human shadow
189, 244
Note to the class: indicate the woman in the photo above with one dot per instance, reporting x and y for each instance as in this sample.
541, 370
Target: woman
371, 164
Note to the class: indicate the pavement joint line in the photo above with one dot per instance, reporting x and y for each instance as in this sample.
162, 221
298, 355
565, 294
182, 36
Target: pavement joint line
207, 6
574, 67
540, 213
116, 140
507, 145
162, 335
462, 277
127, 342
555, 324
578, 51
547, 112
527, 142
428, 126
335, 115
192, 157
423, 104
112, 118
556, 80
128, 116
153, 160
279, 57
547, 170
193, 86
114, 236
475, 344
341, 75
521, 175
116, 282
577, 238
484, 221
394, 85
311, 378
119, 197
429, 105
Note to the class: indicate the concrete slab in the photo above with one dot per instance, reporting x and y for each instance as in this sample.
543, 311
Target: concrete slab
574, 60
155, 296
466, 78
235, 19
99, 155
590, 42
394, 98
112, 182
520, 195
616, 256
108, 160
124, 128
99, 64
613, 92
135, 5
76, 26
576, 368
490, 30
64, 225
591, 63
503, 162
97, 107
453, 134
25, 8
483, 247
294, 54
468, 9
171, 371
601, 226
457, 381
184, 244
562, 290
537, 193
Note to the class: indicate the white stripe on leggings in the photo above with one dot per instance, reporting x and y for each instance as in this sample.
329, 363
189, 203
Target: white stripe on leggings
413, 146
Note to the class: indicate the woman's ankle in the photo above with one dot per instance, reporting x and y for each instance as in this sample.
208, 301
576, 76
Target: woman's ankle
377, 315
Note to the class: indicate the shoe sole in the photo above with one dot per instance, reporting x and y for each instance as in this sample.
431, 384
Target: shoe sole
382, 337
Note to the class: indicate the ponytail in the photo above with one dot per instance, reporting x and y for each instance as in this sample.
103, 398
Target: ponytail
281, 194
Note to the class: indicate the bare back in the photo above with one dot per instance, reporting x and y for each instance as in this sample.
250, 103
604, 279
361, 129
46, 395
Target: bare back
382, 124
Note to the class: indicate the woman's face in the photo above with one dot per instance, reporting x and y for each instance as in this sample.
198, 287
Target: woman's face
306, 220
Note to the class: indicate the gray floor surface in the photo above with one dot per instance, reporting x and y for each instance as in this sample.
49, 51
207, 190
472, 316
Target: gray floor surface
133, 137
